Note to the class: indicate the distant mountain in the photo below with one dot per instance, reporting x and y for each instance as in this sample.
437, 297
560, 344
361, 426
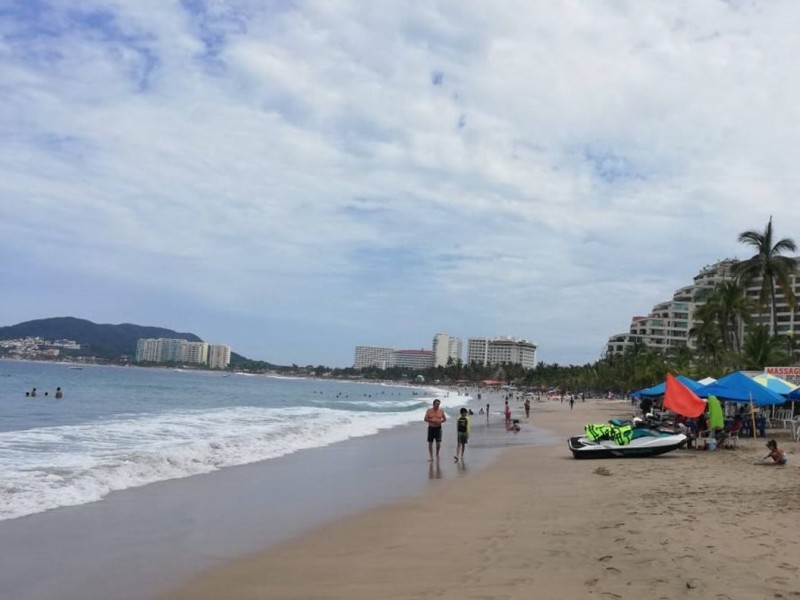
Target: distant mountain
101, 340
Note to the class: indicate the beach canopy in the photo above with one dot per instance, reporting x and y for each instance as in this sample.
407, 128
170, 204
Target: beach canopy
661, 388
681, 400
776, 384
795, 395
738, 387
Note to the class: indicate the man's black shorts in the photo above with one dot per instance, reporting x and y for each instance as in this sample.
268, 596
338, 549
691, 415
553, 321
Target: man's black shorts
434, 434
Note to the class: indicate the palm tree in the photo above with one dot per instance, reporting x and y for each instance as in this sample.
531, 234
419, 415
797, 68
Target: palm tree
710, 346
679, 359
768, 264
761, 348
734, 309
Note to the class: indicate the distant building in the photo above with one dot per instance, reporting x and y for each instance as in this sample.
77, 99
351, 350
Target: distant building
195, 353
169, 350
172, 350
148, 350
499, 350
446, 347
219, 356
413, 359
373, 356
669, 323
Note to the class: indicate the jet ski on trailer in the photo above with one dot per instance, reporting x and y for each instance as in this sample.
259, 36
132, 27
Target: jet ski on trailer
619, 439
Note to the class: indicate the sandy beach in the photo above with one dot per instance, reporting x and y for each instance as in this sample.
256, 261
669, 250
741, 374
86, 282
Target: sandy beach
537, 523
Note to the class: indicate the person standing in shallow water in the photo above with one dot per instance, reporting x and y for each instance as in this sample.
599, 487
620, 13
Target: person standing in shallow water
462, 433
435, 418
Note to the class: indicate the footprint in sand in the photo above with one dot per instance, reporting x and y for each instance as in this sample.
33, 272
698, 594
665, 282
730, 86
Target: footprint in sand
590, 582
613, 570
778, 580
606, 557
787, 567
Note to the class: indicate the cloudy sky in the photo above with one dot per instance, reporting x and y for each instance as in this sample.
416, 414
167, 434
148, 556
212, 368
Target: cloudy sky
295, 178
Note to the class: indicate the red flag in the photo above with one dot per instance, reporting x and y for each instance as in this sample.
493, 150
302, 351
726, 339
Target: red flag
680, 399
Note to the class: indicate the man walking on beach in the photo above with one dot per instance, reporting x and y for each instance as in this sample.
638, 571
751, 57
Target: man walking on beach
435, 418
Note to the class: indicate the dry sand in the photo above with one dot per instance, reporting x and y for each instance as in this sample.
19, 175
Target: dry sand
539, 524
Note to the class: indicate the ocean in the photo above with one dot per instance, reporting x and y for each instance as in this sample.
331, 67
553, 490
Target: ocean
124, 427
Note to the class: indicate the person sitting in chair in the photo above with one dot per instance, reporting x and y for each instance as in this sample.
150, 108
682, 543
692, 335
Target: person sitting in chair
732, 431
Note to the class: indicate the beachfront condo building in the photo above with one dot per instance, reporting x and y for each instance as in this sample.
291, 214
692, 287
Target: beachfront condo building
446, 347
148, 350
168, 350
412, 359
219, 356
373, 356
669, 323
195, 353
500, 350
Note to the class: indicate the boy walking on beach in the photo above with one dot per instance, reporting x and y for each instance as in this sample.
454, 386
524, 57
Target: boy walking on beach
462, 433
435, 418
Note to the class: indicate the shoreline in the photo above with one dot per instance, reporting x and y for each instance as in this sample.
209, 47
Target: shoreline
536, 522
142, 541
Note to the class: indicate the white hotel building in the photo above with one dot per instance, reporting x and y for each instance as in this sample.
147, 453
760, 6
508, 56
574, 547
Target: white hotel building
669, 323
446, 347
168, 350
373, 356
499, 350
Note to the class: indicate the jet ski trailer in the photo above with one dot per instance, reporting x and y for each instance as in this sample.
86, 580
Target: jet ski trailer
650, 445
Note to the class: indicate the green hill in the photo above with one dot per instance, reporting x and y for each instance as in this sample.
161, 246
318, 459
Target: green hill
101, 340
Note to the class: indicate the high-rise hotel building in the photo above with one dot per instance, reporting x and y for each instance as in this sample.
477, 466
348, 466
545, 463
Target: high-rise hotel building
446, 347
219, 356
168, 350
499, 350
412, 359
668, 323
373, 356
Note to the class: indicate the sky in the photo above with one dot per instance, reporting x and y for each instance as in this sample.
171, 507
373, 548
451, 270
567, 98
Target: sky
295, 178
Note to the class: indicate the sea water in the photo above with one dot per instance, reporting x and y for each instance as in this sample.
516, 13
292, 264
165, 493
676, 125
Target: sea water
123, 427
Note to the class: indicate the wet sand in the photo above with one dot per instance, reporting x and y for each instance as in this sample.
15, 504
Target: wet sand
537, 523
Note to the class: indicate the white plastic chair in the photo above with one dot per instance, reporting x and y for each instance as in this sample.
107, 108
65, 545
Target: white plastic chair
732, 441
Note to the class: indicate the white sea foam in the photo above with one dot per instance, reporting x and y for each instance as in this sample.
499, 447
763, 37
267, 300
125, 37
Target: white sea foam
44, 468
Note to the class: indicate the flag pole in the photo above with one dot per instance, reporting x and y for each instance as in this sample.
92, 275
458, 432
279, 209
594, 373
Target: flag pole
753, 415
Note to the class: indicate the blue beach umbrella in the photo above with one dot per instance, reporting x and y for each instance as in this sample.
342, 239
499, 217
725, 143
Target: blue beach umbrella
661, 388
776, 384
740, 388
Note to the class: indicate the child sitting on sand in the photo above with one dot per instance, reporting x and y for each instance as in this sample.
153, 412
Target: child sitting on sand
777, 455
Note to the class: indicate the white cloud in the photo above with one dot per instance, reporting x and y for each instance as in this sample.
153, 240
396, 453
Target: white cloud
357, 172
